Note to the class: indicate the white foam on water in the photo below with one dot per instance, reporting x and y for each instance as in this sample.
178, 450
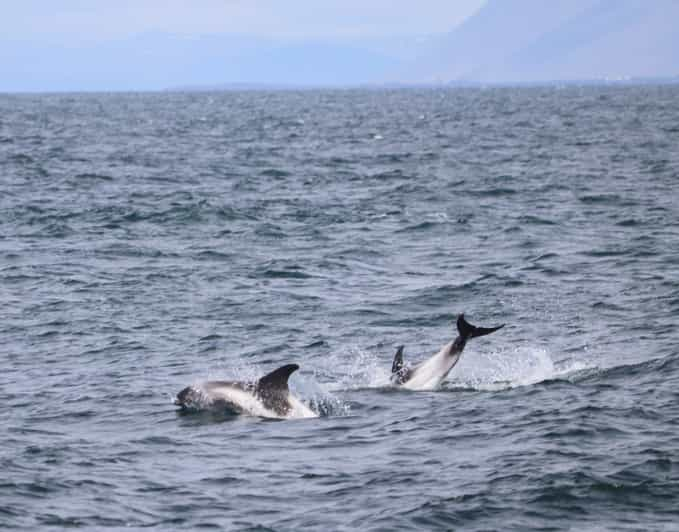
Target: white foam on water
317, 396
510, 368
359, 369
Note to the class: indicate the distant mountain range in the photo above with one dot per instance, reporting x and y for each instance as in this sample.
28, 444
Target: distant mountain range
537, 40
156, 61
506, 41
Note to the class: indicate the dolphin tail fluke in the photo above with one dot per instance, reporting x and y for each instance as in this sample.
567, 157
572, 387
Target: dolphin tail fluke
398, 360
467, 330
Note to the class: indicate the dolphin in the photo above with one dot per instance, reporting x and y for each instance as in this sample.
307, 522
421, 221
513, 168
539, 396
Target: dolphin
430, 373
267, 397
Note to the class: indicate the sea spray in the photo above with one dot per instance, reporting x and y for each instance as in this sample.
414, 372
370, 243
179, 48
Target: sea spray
509, 368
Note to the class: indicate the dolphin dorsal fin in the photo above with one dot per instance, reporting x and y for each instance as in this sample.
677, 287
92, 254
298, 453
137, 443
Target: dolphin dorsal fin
278, 378
398, 360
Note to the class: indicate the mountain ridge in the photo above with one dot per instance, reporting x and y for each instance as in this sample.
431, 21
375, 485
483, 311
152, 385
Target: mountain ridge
534, 41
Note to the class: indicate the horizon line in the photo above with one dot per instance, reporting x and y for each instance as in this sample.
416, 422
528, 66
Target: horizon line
282, 87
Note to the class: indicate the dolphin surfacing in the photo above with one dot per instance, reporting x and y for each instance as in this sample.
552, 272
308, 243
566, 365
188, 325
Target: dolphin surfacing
429, 374
267, 397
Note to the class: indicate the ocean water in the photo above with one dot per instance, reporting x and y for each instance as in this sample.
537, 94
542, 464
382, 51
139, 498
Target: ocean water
150, 241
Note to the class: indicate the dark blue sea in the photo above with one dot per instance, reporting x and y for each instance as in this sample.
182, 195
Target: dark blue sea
151, 241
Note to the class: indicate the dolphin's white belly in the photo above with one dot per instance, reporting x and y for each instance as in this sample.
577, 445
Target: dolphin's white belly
429, 374
298, 409
244, 402
240, 401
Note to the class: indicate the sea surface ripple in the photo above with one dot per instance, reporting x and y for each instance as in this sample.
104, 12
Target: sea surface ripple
148, 241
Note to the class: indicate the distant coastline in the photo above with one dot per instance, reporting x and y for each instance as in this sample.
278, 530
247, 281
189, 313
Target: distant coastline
280, 87
632, 81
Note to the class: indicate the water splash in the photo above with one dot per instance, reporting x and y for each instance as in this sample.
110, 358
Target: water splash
360, 369
318, 396
498, 370
510, 368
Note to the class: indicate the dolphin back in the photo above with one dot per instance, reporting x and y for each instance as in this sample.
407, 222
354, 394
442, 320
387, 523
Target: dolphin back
467, 330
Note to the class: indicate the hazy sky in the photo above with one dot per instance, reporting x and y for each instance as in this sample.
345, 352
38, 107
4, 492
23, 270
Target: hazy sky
68, 20
62, 45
